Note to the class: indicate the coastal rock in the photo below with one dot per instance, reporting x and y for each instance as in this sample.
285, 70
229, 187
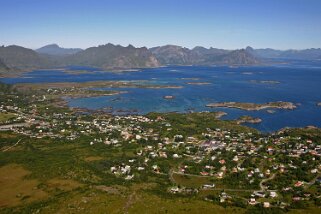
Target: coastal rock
169, 97
220, 114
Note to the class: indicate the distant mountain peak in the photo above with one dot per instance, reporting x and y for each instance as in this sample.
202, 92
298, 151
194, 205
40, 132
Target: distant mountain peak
52, 45
56, 50
249, 48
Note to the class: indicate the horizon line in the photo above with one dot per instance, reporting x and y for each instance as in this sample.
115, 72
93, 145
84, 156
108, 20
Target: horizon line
137, 46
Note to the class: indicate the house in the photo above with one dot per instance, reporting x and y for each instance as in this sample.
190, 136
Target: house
141, 168
259, 194
252, 201
220, 175
163, 154
174, 190
129, 177
314, 171
235, 159
176, 156
222, 161
298, 184
138, 137
204, 173
296, 198
266, 204
208, 186
223, 196
273, 194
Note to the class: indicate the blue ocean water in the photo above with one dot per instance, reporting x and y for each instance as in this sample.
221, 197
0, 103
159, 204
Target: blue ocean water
300, 83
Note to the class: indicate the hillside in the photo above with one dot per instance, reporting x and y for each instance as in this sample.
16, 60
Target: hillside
3, 67
114, 57
17, 57
174, 55
237, 57
171, 54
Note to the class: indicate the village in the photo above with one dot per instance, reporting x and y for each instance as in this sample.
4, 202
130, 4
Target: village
274, 170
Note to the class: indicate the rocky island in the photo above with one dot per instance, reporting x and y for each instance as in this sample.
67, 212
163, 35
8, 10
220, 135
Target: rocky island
319, 104
169, 97
198, 83
271, 82
253, 106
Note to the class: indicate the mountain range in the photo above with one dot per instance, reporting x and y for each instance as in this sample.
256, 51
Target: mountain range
176, 55
306, 54
116, 57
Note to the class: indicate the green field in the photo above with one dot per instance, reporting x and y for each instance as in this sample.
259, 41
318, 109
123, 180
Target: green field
6, 116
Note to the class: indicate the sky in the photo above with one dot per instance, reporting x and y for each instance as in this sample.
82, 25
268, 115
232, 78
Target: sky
229, 24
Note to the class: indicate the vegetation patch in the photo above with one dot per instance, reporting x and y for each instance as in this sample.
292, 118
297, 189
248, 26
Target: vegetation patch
93, 158
6, 116
63, 184
191, 181
16, 189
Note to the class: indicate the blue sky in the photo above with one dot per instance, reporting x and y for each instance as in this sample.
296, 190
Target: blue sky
230, 24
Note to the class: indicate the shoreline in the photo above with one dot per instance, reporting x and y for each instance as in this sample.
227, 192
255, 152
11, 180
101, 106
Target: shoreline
94, 84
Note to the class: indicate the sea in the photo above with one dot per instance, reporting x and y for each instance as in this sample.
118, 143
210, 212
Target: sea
297, 81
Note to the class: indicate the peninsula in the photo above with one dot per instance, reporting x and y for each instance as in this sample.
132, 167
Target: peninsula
253, 106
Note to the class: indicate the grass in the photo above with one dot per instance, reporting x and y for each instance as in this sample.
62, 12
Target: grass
308, 210
191, 181
146, 203
62, 184
6, 116
93, 158
16, 189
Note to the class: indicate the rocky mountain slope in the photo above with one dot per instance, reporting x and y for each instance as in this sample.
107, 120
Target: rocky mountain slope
177, 55
16, 57
114, 57
3, 67
174, 55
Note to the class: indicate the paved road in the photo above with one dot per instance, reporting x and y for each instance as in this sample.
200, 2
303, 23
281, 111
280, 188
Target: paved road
12, 146
263, 188
10, 126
